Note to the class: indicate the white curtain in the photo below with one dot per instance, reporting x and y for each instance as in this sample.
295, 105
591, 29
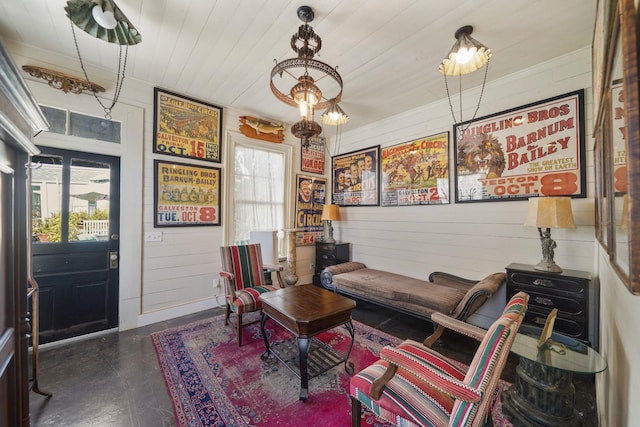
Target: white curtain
259, 188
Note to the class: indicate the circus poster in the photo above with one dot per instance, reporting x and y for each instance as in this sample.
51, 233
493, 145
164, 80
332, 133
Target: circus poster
416, 172
530, 151
185, 127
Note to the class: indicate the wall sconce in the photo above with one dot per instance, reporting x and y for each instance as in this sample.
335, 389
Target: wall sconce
306, 94
103, 20
330, 213
546, 213
466, 56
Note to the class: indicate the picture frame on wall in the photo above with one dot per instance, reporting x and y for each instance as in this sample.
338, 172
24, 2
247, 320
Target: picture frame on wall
186, 127
416, 172
529, 151
312, 156
356, 178
311, 193
617, 143
186, 195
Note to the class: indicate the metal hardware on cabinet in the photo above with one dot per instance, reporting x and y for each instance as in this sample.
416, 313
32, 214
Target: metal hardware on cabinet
543, 301
544, 282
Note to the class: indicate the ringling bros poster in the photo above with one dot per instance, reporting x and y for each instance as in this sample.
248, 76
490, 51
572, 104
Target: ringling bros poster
356, 179
619, 143
534, 150
416, 172
185, 195
311, 196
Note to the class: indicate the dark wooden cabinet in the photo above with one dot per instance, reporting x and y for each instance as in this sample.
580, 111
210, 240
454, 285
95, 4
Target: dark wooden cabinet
567, 291
329, 254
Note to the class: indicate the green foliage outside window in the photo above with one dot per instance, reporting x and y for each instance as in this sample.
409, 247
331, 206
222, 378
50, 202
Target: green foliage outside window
48, 230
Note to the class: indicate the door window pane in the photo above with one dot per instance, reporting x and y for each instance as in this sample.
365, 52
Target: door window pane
46, 192
89, 200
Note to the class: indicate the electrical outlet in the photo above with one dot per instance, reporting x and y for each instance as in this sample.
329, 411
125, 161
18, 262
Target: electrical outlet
312, 266
153, 236
216, 284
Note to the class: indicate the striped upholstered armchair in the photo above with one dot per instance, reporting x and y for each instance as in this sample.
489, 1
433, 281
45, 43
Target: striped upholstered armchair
244, 281
413, 385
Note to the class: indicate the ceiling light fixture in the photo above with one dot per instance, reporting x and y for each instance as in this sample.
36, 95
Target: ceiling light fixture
466, 56
335, 116
103, 20
307, 95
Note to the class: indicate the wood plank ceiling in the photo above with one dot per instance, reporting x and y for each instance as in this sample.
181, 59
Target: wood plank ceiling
222, 51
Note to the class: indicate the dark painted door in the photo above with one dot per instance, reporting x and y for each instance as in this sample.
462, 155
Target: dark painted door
75, 232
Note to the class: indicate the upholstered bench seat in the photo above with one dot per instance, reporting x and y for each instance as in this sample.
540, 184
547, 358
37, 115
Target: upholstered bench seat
442, 293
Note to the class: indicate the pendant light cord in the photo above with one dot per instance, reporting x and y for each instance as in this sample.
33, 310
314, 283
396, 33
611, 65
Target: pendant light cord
462, 129
122, 65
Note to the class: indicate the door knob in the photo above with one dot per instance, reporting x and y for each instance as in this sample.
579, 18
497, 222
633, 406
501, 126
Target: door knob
113, 260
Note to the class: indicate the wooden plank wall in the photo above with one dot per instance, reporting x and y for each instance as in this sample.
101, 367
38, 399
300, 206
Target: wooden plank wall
470, 239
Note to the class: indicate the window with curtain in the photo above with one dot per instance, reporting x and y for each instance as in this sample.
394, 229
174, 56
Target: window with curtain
258, 191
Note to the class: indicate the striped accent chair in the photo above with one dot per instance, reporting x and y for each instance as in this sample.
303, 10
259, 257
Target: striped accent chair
413, 385
244, 281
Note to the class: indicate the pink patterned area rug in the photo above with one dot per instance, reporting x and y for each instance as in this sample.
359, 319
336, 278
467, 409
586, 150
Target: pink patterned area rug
212, 382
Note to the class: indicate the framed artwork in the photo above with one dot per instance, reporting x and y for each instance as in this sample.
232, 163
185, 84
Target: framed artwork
356, 179
186, 127
617, 145
311, 195
602, 35
416, 172
601, 160
529, 151
185, 195
312, 156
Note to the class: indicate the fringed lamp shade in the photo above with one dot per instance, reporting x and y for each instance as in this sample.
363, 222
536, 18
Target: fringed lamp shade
466, 56
81, 13
334, 115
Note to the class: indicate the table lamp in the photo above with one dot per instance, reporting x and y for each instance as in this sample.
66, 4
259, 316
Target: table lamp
547, 213
330, 213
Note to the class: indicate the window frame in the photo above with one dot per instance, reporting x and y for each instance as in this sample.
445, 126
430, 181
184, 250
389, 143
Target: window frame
235, 139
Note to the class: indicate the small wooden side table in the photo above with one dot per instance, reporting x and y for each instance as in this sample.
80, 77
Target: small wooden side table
307, 310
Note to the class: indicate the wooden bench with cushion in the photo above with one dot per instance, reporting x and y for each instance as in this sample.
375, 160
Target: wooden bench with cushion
443, 292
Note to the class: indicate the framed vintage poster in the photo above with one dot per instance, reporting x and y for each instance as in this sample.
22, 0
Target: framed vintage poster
356, 179
416, 172
185, 195
185, 127
311, 196
617, 133
529, 151
312, 156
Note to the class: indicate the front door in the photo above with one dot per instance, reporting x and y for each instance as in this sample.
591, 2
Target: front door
75, 232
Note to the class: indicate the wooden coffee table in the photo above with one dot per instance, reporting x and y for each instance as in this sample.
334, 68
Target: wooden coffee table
307, 310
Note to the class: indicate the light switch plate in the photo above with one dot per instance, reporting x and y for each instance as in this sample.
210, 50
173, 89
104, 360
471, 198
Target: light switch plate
153, 236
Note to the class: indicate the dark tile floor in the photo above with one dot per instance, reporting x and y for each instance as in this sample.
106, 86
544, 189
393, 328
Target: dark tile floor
114, 380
